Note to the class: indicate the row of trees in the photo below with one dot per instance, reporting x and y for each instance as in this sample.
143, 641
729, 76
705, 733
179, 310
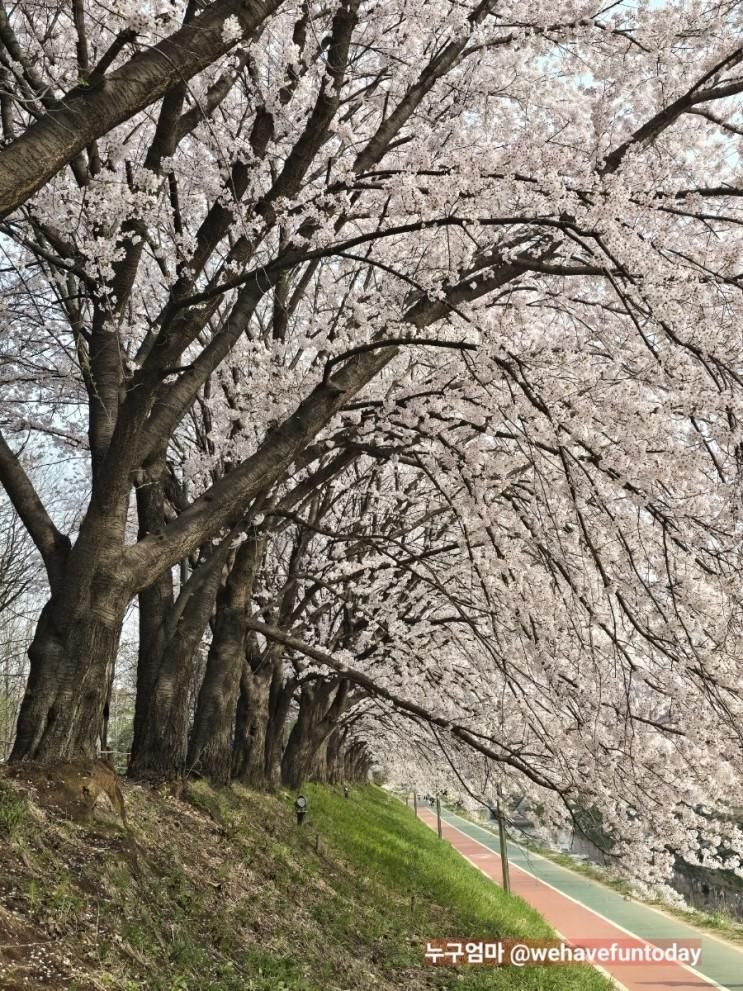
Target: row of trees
389, 359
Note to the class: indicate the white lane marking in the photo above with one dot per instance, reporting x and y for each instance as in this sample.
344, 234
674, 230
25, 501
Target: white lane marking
697, 930
696, 973
614, 980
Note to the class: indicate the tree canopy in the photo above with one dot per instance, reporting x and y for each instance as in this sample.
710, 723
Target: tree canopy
391, 355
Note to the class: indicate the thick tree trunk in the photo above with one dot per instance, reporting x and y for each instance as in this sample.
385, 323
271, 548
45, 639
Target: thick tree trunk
333, 756
320, 707
357, 762
251, 724
154, 604
77, 636
319, 768
210, 747
298, 756
160, 742
72, 658
160, 745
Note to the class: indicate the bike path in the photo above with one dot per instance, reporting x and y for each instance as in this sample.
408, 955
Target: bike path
578, 907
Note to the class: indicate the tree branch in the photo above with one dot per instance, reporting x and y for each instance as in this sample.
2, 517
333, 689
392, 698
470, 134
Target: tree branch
88, 112
403, 705
52, 545
393, 342
665, 117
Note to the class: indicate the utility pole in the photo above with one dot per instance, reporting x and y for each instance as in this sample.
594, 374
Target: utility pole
503, 845
438, 816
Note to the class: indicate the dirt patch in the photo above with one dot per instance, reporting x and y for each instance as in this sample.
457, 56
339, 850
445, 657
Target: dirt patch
71, 787
29, 957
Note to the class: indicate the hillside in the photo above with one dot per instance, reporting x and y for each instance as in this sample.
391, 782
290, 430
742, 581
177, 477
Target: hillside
221, 891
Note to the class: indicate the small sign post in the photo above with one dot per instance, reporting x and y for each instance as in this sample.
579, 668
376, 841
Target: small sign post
300, 807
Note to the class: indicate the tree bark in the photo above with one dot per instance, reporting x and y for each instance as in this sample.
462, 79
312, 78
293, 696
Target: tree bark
72, 658
210, 747
320, 706
319, 768
357, 762
154, 604
251, 722
90, 111
334, 755
159, 749
74, 648
280, 700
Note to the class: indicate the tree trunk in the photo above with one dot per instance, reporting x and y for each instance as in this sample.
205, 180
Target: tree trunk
160, 745
333, 759
357, 762
320, 706
297, 759
154, 604
210, 747
105, 719
280, 700
251, 724
74, 647
161, 738
72, 658
319, 769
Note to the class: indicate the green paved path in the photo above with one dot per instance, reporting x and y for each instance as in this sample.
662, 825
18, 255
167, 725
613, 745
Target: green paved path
721, 962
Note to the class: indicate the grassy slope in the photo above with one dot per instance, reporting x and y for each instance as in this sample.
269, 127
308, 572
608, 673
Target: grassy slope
223, 892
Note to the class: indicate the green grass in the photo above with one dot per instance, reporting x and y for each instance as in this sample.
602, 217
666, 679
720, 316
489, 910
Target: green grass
445, 896
224, 892
12, 813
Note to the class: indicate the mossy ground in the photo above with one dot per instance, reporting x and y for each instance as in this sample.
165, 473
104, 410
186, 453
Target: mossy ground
222, 891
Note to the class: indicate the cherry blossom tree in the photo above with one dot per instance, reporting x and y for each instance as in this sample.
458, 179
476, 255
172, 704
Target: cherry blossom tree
487, 258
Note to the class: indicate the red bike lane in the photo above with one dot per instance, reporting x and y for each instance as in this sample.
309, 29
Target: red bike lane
572, 921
